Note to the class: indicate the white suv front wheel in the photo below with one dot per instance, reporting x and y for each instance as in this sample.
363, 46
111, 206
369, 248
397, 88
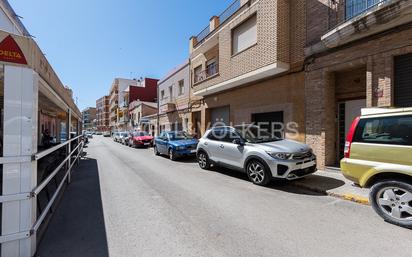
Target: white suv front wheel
258, 173
203, 160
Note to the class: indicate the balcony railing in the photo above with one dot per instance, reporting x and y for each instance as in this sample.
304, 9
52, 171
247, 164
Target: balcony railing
203, 34
356, 7
205, 74
229, 11
224, 16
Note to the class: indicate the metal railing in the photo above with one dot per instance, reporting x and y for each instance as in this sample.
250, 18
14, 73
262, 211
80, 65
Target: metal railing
205, 74
203, 34
354, 8
224, 16
74, 154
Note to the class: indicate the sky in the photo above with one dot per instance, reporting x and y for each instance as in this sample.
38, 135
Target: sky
91, 42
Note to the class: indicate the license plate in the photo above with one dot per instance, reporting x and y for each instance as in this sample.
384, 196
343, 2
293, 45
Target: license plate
146, 143
307, 165
193, 151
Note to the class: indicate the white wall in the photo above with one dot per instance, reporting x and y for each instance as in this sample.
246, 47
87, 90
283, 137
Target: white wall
123, 85
7, 25
183, 74
20, 140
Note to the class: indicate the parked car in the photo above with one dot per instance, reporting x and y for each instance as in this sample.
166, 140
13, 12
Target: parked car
85, 138
140, 139
261, 155
378, 155
124, 137
98, 133
106, 134
175, 144
116, 136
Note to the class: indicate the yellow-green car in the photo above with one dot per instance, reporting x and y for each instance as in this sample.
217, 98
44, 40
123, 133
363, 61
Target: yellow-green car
378, 155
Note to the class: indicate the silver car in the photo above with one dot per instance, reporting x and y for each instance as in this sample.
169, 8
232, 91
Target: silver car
261, 155
123, 137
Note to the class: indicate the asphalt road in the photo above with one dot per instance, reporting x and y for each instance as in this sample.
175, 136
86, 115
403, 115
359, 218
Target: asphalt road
151, 206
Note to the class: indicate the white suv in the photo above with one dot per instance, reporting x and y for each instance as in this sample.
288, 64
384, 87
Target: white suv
261, 155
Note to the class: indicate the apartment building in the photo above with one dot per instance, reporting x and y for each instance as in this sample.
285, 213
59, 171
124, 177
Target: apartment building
247, 64
138, 110
125, 91
103, 114
89, 118
358, 54
174, 99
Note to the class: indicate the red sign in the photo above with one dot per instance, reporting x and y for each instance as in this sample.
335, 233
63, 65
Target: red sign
11, 52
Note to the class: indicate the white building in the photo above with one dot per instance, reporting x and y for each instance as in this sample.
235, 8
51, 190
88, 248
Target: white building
32, 100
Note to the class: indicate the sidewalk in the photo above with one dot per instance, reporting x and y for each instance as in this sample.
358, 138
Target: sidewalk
333, 184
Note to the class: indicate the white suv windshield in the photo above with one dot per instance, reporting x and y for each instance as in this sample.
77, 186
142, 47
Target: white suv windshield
253, 134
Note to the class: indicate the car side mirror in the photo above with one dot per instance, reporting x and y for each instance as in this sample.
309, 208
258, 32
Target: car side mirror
238, 141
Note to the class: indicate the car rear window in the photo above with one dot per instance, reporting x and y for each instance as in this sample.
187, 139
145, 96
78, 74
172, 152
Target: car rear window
395, 130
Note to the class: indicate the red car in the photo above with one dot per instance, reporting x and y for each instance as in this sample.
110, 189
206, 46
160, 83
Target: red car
140, 139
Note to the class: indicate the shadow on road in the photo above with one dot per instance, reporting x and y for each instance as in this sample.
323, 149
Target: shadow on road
184, 159
311, 185
77, 227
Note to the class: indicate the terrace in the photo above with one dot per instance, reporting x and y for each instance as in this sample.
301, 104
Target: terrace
367, 17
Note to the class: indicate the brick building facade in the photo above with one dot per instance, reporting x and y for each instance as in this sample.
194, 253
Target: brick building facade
248, 66
125, 91
174, 99
354, 59
103, 114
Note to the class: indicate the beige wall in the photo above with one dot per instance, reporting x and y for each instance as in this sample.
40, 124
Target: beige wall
168, 119
285, 94
274, 37
375, 59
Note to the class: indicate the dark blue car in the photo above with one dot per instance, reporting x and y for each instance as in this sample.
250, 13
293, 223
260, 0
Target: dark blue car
175, 144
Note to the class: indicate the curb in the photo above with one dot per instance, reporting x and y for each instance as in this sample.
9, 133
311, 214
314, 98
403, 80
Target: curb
351, 197
344, 196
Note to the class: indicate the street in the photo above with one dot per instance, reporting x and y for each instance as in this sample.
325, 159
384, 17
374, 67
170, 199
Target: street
154, 207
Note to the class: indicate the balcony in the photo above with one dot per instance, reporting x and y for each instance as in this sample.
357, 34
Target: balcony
123, 120
354, 8
212, 70
228, 54
114, 106
368, 17
113, 97
224, 16
170, 107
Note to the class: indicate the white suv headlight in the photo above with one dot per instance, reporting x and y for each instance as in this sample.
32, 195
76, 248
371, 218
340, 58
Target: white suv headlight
280, 156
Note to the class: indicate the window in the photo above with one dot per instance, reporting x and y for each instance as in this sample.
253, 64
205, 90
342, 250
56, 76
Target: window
198, 74
223, 135
215, 135
211, 67
171, 93
162, 94
391, 130
244, 35
181, 87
